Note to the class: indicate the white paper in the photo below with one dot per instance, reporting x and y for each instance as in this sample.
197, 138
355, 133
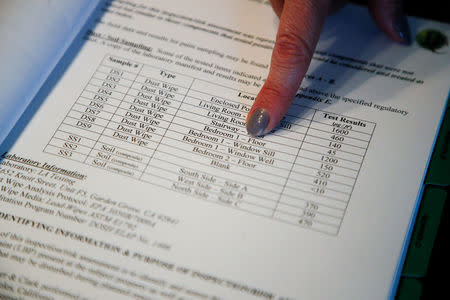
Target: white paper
136, 179
34, 34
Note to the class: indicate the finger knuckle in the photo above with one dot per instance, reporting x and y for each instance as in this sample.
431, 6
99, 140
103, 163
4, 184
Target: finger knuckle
277, 92
292, 48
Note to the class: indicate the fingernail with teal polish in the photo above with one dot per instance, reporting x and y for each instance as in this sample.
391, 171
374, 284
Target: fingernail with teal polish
258, 122
403, 30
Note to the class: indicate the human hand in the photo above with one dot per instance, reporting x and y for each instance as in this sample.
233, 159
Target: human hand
300, 26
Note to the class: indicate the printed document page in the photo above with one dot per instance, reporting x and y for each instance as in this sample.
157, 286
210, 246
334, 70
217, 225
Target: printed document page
136, 178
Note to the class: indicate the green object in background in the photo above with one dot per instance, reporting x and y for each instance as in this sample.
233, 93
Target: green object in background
439, 169
425, 231
409, 289
431, 39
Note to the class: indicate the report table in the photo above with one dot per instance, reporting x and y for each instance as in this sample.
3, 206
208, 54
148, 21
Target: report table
188, 135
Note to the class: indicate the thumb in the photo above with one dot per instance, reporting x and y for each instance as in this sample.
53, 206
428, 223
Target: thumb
300, 26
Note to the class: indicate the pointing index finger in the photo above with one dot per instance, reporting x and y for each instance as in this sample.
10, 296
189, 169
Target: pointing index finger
300, 25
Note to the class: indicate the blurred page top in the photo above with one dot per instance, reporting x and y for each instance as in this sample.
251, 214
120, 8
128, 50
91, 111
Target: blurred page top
34, 34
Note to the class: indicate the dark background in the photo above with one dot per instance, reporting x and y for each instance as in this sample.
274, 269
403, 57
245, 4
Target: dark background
429, 9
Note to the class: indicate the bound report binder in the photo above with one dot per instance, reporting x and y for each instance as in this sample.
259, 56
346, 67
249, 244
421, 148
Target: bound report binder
126, 170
